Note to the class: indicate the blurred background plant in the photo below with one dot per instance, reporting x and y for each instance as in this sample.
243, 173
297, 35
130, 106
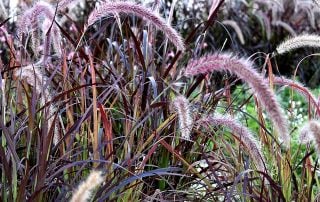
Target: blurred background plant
251, 26
111, 105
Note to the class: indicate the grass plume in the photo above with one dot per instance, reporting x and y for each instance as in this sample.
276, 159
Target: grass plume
300, 41
302, 90
30, 21
138, 10
243, 135
245, 71
311, 131
84, 191
181, 105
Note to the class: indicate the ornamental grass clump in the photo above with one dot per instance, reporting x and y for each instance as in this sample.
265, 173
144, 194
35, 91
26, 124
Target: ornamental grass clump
128, 7
114, 97
244, 70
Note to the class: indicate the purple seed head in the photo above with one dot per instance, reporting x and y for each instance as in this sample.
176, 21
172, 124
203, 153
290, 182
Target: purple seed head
138, 10
225, 62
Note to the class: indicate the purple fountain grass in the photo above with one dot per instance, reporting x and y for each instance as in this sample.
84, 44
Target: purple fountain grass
305, 136
30, 17
245, 71
305, 92
236, 28
30, 20
311, 131
181, 105
84, 191
36, 78
242, 133
303, 40
132, 8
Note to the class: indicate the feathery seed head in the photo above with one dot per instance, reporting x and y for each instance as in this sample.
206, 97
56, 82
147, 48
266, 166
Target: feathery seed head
311, 131
302, 90
181, 105
303, 40
33, 76
85, 189
30, 21
245, 71
138, 10
305, 135
241, 132
30, 17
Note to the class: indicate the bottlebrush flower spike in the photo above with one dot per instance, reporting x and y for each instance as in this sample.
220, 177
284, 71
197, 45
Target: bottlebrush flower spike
242, 133
309, 132
29, 21
305, 92
303, 40
245, 71
65, 3
305, 135
138, 10
30, 17
85, 189
181, 105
